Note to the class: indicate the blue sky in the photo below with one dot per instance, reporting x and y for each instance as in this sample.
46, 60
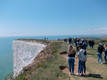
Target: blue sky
52, 17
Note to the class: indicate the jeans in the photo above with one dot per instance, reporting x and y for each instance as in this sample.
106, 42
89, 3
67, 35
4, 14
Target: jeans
105, 57
99, 56
90, 46
77, 49
72, 43
71, 64
80, 66
69, 42
84, 67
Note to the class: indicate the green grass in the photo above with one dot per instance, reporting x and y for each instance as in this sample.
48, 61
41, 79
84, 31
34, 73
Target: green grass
51, 71
99, 71
95, 71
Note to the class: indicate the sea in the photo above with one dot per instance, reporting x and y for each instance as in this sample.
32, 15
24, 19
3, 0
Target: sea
6, 55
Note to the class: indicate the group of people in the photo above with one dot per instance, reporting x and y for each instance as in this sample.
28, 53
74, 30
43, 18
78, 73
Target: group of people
91, 43
82, 56
81, 46
77, 41
100, 51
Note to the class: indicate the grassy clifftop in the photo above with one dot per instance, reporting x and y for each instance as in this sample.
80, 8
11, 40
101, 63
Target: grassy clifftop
49, 65
46, 66
52, 70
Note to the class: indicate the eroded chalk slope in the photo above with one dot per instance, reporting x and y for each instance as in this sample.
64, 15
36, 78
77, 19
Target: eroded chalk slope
24, 54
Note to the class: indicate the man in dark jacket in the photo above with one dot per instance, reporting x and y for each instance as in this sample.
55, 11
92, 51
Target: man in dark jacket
70, 40
100, 49
92, 43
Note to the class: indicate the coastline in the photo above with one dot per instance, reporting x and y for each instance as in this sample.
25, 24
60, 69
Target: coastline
16, 58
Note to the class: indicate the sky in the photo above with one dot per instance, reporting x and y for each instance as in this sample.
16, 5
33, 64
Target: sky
52, 17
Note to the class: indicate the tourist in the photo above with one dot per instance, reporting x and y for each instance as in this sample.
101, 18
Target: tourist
65, 40
84, 64
75, 41
105, 52
85, 44
71, 58
82, 59
70, 40
100, 49
77, 46
92, 44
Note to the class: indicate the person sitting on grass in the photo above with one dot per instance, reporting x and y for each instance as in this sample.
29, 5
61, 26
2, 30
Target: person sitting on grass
82, 59
71, 58
100, 49
105, 52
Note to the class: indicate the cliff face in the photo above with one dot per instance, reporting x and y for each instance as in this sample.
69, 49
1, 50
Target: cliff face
24, 53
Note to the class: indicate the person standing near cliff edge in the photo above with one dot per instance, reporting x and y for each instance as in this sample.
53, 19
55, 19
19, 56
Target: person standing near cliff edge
71, 58
82, 59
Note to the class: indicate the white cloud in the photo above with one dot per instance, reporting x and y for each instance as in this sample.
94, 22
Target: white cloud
91, 31
100, 29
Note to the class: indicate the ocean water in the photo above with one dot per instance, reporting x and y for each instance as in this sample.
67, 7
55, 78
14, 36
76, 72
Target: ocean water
6, 56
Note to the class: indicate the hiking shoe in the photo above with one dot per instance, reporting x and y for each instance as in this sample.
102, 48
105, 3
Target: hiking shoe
97, 62
78, 74
70, 73
82, 74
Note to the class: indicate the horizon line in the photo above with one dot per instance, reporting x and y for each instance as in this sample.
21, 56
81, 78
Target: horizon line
55, 35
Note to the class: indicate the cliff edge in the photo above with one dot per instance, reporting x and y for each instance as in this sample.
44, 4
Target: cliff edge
24, 52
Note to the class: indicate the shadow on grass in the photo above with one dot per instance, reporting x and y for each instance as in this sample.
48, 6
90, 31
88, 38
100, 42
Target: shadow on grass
92, 49
62, 67
88, 75
90, 54
92, 75
64, 52
105, 63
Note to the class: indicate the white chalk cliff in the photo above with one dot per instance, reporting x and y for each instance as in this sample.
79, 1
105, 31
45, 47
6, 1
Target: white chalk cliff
24, 54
